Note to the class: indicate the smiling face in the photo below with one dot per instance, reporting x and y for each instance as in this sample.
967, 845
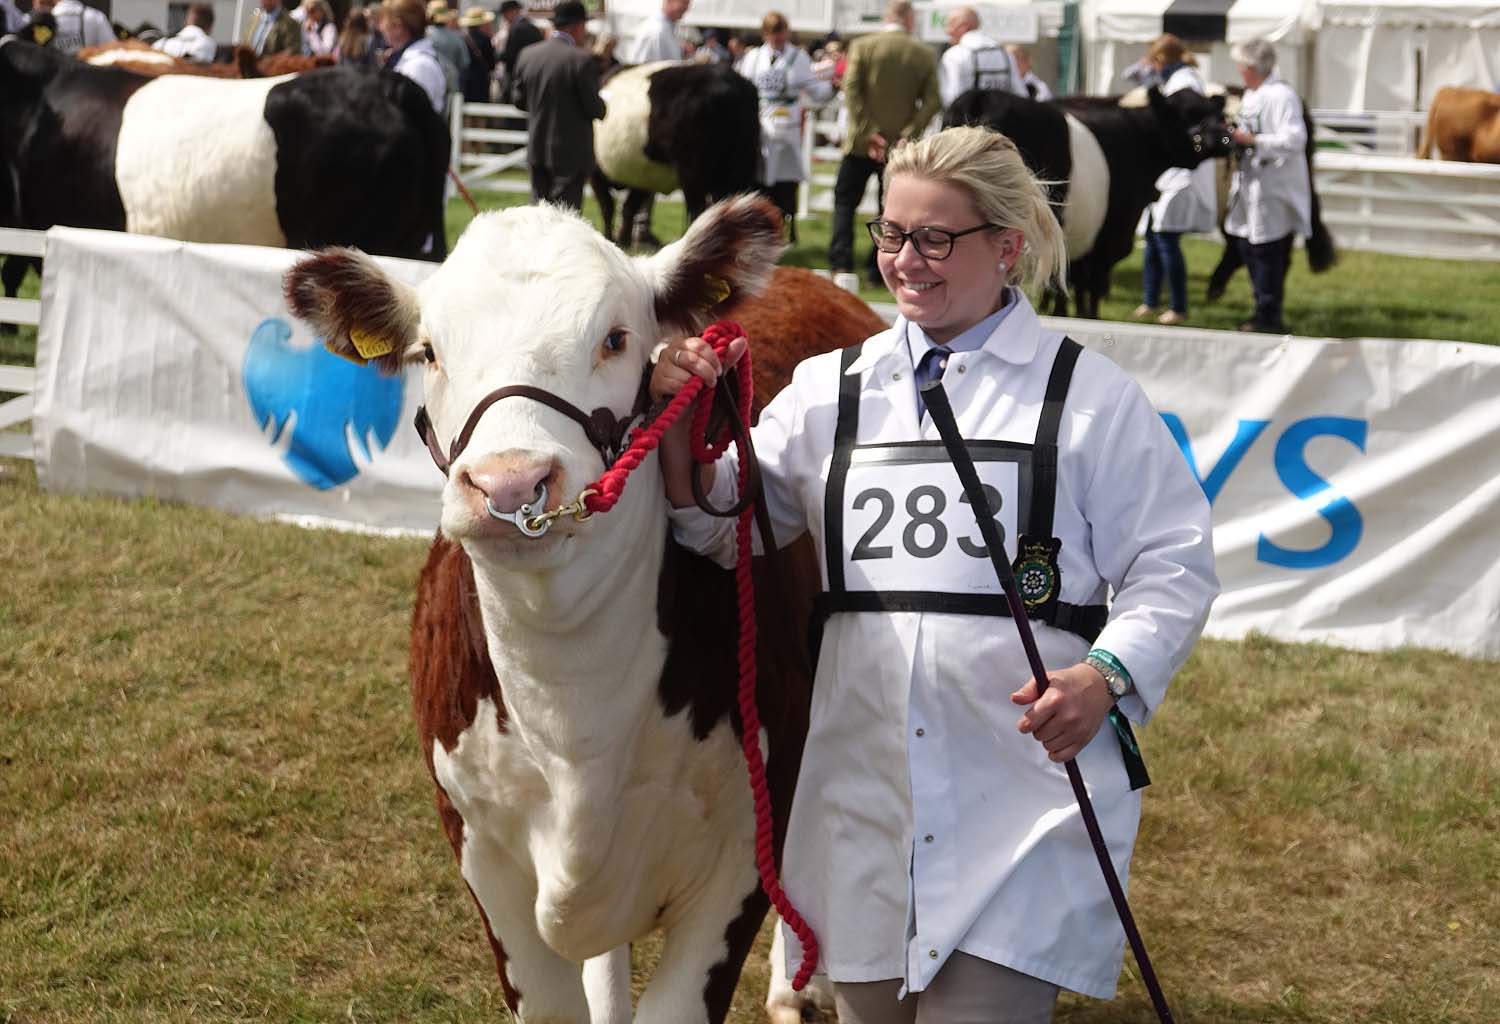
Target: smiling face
944, 297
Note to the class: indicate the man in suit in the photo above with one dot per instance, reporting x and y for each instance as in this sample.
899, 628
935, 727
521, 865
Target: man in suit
890, 92
520, 32
272, 30
557, 83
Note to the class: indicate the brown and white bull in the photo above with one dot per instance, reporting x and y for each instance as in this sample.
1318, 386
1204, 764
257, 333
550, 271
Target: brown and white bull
574, 693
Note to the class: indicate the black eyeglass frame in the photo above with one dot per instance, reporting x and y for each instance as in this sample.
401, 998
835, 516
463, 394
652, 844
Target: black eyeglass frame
877, 235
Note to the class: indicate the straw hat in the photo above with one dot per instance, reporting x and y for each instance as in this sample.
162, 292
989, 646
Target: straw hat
439, 13
473, 17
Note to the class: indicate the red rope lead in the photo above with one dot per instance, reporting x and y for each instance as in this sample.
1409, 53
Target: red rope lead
609, 487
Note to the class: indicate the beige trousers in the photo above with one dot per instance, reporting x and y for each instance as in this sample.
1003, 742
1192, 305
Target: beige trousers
968, 990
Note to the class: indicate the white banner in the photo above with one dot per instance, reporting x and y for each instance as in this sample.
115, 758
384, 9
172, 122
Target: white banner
1355, 484
175, 370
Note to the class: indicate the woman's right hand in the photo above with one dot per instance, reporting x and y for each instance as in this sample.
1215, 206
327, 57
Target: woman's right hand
683, 360
679, 363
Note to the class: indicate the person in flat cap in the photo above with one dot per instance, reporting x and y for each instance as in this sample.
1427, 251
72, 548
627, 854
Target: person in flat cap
557, 83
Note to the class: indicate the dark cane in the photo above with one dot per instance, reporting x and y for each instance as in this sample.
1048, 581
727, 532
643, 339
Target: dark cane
942, 416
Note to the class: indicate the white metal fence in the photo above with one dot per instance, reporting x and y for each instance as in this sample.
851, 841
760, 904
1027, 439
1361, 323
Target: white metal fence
18, 380
1382, 133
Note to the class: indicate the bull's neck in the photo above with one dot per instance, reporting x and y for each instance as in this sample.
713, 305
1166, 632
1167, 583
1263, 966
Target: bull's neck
585, 633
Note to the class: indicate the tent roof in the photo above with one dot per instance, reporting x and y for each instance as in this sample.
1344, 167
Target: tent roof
1474, 14
1140, 21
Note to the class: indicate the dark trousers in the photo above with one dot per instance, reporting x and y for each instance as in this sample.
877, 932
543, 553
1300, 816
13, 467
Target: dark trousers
848, 190
562, 189
1267, 263
1164, 257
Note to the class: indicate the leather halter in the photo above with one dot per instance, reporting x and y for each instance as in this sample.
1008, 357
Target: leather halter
604, 430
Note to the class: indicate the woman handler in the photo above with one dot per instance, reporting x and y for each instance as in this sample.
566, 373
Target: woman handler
935, 845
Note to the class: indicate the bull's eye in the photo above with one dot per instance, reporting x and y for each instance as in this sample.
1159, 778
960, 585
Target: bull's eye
614, 343
427, 352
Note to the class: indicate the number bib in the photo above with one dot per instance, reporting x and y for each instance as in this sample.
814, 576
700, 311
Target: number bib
908, 525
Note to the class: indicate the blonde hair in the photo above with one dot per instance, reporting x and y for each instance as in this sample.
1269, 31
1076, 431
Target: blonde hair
987, 166
1168, 49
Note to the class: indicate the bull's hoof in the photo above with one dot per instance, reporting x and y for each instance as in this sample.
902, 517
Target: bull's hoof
1215, 291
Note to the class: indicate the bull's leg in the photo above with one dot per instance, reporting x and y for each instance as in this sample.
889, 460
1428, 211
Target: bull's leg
783, 1004
12, 274
606, 980
706, 944
548, 989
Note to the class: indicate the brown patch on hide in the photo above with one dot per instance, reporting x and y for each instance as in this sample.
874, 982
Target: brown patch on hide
340, 292
244, 64
800, 315
449, 662
453, 827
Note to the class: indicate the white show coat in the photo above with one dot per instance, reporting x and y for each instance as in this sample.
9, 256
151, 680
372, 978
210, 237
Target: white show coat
924, 822
419, 62
657, 41
192, 43
996, 68
79, 25
781, 78
1189, 197
1270, 196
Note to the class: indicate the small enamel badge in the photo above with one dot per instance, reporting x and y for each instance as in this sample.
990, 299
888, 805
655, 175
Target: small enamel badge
1036, 569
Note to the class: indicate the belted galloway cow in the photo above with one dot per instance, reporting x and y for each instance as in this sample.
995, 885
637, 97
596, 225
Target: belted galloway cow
575, 692
347, 156
1101, 161
671, 125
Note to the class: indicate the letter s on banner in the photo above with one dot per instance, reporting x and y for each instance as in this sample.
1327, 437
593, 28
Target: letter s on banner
1292, 468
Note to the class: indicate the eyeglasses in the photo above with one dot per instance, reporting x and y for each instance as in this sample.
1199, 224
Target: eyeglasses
931, 243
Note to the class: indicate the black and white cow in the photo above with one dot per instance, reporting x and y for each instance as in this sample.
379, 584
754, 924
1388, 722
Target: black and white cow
334, 156
672, 125
1103, 160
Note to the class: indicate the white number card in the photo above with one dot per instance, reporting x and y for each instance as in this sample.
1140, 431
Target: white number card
908, 524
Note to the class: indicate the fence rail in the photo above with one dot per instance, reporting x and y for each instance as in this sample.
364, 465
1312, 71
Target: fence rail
1376, 132
18, 381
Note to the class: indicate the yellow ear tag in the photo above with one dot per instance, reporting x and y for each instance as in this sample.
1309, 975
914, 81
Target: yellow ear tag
42, 35
370, 346
718, 289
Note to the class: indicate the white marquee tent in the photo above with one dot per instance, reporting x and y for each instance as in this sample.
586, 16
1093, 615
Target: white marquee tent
1116, 33
1396, 54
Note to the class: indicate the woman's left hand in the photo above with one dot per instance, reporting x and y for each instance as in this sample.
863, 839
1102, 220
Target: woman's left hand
1068, 715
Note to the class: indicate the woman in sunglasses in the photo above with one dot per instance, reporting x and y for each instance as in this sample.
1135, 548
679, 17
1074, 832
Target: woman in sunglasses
934, 844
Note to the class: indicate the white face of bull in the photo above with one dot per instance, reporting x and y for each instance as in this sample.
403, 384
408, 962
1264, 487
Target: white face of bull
534, 296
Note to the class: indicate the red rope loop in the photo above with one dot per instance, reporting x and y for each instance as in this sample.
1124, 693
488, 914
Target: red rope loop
610, 486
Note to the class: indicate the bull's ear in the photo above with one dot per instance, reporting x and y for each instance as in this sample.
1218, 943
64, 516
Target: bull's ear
1218, 102
726, 256
361, 312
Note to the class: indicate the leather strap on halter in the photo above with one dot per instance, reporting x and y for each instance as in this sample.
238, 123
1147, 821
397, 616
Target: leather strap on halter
605, 431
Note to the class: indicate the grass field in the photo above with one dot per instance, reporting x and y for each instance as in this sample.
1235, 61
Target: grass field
213, 810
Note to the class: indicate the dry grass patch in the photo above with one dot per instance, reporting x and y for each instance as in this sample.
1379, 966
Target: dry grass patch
214, 810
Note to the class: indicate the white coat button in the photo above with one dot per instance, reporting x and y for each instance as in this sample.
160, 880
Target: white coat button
921, 732
962, 367
927, 839
896, 375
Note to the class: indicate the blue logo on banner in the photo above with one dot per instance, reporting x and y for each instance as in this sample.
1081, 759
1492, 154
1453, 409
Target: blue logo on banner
1346, 525
334, 402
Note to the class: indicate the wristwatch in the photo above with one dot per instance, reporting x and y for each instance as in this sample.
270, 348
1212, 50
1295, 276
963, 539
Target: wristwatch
1115, 676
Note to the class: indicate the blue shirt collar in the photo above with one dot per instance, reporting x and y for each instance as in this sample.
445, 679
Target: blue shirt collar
970, 340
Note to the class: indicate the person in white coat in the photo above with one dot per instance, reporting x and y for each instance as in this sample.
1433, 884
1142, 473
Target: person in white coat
934, 844
784, 78
1188, 198
1270, 197
975, 60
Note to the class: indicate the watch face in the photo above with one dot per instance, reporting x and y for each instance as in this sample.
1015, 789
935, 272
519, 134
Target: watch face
1116, 685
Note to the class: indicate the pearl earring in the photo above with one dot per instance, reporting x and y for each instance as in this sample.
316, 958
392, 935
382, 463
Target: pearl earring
1001, 267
